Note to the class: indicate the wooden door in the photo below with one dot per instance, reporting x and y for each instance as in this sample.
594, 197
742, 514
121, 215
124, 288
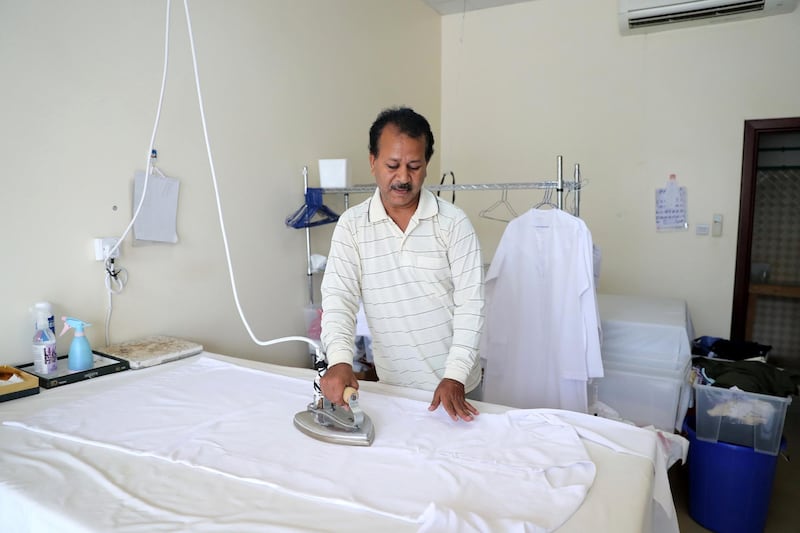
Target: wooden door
747, 288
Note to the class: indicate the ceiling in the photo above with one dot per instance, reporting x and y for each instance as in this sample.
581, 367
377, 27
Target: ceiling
448, 7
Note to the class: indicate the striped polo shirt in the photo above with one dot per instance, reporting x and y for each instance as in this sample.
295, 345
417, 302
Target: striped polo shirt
422, 292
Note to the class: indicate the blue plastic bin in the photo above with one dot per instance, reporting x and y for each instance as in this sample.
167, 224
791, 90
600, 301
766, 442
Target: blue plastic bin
730, 486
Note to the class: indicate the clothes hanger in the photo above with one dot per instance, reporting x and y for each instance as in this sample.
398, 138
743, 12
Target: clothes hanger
509, 214
441, 182
547, 200
312, 213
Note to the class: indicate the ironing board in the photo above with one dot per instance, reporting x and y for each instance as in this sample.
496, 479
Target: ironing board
48, 483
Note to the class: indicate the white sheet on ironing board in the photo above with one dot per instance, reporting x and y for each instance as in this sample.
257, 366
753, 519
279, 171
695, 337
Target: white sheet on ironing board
526, 470
644, 325
629, 439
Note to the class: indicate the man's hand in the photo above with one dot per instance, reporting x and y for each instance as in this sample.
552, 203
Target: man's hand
335, 380
450, 395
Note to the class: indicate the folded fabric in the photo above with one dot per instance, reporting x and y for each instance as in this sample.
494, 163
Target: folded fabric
730, 350
750, 376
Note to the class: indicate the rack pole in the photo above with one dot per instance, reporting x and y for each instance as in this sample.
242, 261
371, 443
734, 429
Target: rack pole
560, 183
309, 275
577, 198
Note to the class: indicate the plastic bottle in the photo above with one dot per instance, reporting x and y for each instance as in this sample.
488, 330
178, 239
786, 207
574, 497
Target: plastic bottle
45, 359
80, 353
47, 309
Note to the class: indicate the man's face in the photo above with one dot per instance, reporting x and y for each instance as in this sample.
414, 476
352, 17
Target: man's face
399, 168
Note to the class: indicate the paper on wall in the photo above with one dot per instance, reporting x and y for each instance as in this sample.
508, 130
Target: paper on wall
158, 218
671, 206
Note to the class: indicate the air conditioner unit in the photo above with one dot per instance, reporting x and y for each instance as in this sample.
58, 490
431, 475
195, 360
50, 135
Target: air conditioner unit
641, 16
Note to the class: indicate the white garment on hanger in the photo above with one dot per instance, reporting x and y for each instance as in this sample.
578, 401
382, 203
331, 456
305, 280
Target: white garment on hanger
542, 333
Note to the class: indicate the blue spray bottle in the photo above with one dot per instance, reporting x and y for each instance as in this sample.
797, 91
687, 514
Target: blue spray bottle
80, 353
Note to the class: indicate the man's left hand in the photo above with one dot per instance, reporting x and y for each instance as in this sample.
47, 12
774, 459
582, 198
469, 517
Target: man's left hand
450, 395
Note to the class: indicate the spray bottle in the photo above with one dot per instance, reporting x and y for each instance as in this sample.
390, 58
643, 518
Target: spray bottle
45, 359
80, 353
45, 308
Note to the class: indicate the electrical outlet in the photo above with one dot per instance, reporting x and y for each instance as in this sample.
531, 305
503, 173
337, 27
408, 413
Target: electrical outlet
102, 246
716, 225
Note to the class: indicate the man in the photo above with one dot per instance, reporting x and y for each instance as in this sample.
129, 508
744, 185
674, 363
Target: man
415, 262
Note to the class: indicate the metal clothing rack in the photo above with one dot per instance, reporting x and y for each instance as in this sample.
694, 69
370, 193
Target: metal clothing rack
560, 185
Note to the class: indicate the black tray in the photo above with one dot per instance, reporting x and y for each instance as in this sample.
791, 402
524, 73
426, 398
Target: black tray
102, 365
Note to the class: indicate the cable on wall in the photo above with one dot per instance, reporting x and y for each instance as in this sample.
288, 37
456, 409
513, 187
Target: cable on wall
307, 340
116, 279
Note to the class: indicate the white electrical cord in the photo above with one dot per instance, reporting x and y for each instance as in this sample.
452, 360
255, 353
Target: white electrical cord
150, 160
115, 283
311, 342
115, 280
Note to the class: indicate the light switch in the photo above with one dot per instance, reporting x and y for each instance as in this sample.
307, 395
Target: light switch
701, 229
716, 225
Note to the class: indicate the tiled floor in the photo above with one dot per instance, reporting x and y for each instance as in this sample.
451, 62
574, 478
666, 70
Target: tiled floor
784, 509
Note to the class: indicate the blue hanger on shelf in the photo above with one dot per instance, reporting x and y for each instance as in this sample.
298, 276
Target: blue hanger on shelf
312, 213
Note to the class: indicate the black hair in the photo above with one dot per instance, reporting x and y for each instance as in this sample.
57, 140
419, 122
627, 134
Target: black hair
408, 122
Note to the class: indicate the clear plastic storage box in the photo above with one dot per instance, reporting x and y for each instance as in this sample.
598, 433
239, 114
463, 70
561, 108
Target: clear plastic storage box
739, 417
645, 396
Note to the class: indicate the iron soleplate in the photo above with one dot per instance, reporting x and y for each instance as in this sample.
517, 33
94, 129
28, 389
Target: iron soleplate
306, 422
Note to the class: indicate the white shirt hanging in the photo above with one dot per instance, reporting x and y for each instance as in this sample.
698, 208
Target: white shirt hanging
542, 335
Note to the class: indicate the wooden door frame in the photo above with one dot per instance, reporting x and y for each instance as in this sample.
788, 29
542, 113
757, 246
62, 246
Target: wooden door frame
753, 129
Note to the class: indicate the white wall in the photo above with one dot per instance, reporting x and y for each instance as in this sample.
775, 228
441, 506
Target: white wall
285, 83
524, 83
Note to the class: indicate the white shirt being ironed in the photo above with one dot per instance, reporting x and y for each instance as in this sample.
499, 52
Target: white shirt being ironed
422, 291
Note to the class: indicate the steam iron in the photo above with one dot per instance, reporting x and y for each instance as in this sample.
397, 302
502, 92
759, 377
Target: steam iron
328, 422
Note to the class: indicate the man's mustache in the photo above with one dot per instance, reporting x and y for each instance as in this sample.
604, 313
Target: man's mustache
401, 186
